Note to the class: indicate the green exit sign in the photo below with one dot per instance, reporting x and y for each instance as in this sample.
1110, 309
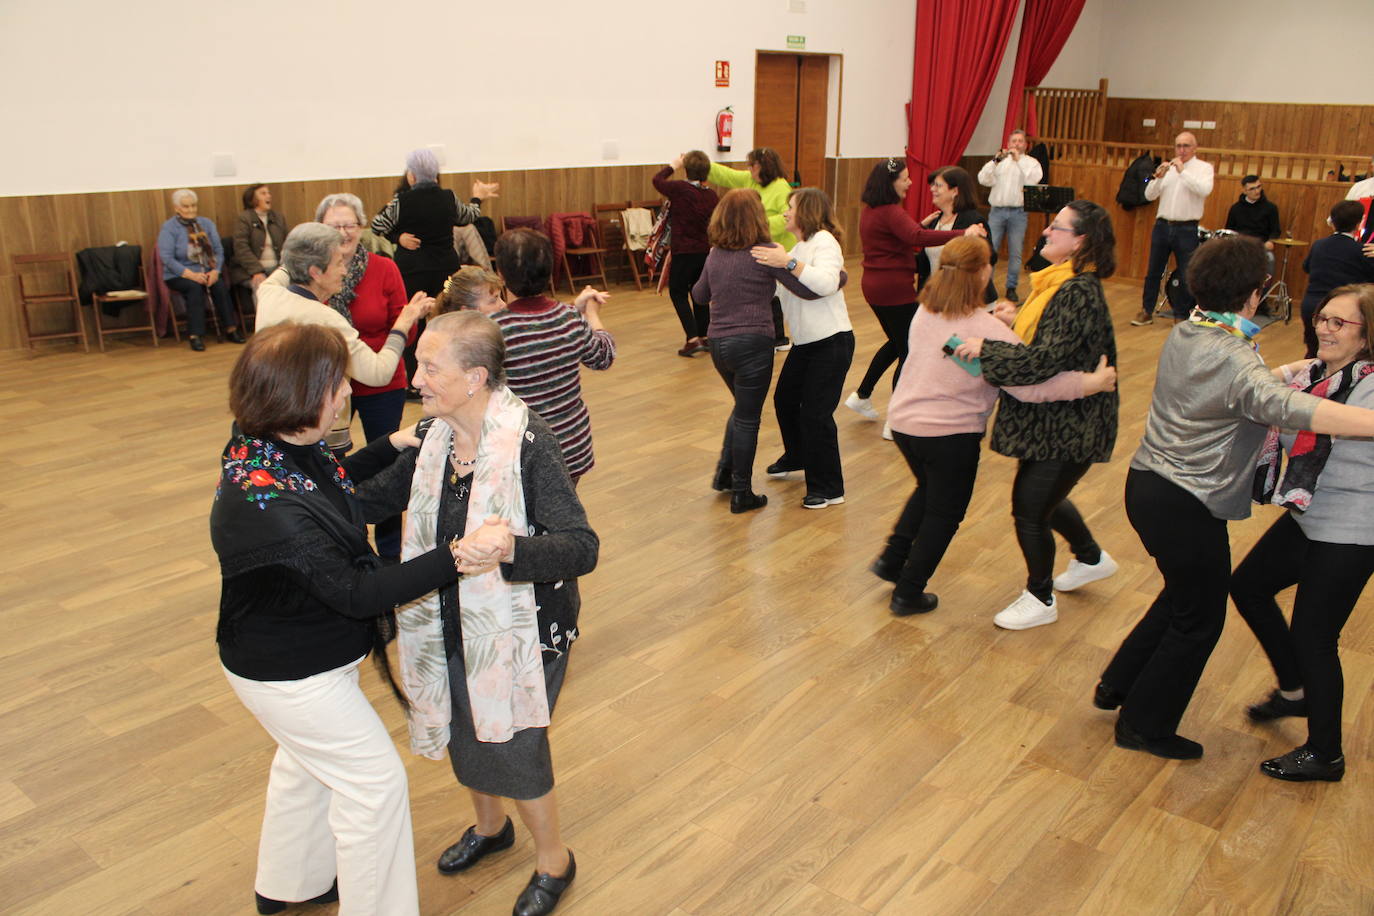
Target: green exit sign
796, 42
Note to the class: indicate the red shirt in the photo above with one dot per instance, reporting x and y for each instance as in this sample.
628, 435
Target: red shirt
689, 214
890, 240
377, 303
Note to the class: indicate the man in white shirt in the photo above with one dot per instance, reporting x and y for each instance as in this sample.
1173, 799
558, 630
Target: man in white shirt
1181, 186
1365, 188
1007, 174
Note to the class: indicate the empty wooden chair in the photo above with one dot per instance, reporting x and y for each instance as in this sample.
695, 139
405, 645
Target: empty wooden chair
60, 287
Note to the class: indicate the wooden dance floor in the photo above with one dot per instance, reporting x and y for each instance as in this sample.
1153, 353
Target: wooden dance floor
745, 728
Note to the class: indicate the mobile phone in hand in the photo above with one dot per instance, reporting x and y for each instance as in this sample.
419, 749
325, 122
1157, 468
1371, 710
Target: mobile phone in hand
971, 366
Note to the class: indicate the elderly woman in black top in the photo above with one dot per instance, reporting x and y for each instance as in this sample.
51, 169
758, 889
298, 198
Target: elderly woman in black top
303, 601
482, 661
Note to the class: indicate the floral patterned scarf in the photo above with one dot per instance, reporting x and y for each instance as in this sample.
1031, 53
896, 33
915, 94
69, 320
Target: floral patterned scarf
501, 652
198, 247
342, 301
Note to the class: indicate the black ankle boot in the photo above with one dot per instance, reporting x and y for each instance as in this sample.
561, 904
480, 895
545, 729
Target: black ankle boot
746, 501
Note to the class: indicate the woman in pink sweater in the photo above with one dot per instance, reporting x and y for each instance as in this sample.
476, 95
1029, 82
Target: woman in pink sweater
939, 413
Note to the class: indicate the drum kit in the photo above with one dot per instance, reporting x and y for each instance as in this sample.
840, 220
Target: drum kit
1276, 304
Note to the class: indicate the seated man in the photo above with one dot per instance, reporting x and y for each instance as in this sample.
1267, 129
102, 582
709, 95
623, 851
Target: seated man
1255, 215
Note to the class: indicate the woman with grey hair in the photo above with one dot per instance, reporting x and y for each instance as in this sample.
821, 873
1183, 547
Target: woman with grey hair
420, 220
192, 262
316, 260
482, 660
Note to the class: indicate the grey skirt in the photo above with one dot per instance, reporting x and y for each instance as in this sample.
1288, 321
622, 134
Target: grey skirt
519, 768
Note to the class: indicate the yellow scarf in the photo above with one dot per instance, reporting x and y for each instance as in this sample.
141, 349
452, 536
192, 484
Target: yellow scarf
1044, 284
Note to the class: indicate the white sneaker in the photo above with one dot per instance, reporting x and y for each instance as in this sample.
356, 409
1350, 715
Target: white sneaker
861, 406
1025, 612
1082, 573
887, 431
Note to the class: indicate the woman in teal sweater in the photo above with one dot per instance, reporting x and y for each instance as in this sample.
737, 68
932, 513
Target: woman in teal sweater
764, 175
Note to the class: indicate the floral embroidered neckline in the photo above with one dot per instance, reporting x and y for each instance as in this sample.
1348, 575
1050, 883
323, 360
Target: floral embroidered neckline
257, 467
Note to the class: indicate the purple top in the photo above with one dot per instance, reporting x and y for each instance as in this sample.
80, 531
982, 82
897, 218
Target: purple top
741, 291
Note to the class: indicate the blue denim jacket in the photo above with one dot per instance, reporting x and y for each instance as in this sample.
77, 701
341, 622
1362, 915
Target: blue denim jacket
172, 240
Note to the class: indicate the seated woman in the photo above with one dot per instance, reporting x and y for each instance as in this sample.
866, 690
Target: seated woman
547, 343
1323, 544
741, 293
1212, 405
302, 603
1337, 260
191, 259
812, 376
259, 232
939, 413
319, 263
482, 661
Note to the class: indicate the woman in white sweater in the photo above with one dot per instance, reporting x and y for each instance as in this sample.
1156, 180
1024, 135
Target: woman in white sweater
812, 377
939, 412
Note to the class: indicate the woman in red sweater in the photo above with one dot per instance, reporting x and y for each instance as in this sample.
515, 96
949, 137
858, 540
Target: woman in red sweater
372, 297
890, 240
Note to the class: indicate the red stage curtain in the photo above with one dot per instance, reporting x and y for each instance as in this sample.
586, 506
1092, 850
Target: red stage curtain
959, 46
1045, 27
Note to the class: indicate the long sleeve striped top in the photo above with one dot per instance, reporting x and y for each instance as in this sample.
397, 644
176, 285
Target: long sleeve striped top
547, 343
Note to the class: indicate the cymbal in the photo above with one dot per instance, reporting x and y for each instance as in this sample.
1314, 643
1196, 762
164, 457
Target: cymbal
1288, 243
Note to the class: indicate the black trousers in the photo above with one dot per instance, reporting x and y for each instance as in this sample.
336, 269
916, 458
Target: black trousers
381, 414
683, 271
745, 362
1039, 508
1160, 662
193, 294
809, 389
895, 321
1330, 578
945, 468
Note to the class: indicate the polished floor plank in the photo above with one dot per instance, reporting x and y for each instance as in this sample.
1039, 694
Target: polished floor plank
746, 727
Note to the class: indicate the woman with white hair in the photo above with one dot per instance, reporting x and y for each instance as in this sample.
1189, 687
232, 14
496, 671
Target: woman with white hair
192, 261
365, 312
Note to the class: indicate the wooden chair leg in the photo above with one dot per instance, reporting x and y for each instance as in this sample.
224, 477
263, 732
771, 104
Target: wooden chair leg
99, 325
152, 325
80, 325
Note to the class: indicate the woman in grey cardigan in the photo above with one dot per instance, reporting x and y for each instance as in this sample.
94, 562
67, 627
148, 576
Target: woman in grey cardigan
1324, 544
1213, 401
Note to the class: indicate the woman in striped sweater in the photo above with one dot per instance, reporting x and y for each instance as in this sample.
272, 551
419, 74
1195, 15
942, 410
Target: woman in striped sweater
546, 341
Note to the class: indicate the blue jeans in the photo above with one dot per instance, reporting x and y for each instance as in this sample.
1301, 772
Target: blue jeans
381, 415
745, 362
1011, 222
1180, 240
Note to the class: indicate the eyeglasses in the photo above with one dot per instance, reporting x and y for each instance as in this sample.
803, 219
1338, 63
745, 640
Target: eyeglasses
1333, 322
1054, 228
343, 227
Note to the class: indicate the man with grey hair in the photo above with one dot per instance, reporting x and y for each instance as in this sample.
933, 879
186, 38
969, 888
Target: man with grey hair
311, 272
1181, 186
1007, 174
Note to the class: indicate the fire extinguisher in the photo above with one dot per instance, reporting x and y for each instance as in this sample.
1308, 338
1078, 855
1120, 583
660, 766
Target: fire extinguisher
725, 129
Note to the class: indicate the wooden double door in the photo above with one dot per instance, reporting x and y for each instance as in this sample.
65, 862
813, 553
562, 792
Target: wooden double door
791, 92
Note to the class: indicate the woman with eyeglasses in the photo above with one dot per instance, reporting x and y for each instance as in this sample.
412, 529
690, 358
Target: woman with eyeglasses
1324, 544
891, 239
1337, 260
1066, 324
1214, 401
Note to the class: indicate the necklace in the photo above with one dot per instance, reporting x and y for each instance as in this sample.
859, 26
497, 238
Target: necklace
453, 457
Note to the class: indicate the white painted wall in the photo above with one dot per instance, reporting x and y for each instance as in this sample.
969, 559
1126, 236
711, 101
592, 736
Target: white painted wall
142, 93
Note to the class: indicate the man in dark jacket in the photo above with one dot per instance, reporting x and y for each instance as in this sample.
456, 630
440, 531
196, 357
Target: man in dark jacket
1254, 214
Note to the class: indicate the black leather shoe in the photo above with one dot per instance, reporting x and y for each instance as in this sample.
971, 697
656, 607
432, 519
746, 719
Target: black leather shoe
723, 479
1302, 764
1276, 707
541, 895
197, 343
469, 850
888, 572
268, 906
1011, 295
1105, 697
1172, 747
779, 469
236, 336
922, 605
746, 501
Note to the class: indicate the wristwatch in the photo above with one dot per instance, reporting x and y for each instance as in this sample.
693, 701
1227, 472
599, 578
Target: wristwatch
792, 264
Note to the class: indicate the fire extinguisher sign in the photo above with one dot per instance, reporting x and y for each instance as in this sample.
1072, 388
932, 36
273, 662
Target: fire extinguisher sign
722, 73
